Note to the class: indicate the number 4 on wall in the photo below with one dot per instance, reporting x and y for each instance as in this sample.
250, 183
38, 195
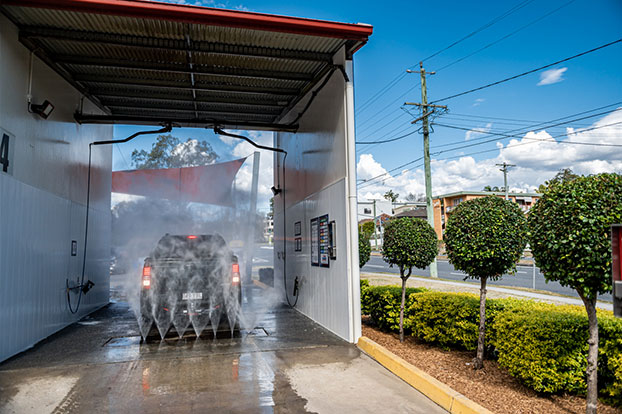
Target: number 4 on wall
4, 153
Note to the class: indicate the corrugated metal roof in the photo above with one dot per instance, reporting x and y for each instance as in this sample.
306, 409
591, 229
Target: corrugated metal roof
182, 63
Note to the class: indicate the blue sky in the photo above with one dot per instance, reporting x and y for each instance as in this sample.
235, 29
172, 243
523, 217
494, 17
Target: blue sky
406, 32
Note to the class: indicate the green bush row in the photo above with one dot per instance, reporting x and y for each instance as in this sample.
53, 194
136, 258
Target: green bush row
543, 345
382, 303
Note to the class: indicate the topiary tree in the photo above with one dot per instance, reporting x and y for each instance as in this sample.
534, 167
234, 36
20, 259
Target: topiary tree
484, 238
571, 242
364, 249
408, 242
367, 228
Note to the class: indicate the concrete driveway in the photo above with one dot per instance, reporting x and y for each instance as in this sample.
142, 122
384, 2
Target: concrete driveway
285, 364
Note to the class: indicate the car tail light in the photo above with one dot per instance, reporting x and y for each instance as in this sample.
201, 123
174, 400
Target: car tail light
192, 237
235, 274
146, 281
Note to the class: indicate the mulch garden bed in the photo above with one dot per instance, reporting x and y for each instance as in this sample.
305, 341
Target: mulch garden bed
490, 387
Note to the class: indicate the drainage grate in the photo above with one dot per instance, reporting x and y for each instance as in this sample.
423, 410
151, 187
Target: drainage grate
258, 331
123, 341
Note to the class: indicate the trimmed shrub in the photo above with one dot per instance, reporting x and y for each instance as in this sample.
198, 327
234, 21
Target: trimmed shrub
448, 320
544, 346
382, 303
610, 359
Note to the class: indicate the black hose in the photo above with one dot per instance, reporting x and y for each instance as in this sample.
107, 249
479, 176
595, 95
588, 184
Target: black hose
285, 243
167, 128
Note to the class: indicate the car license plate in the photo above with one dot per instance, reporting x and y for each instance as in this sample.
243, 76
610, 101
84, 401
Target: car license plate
192, 295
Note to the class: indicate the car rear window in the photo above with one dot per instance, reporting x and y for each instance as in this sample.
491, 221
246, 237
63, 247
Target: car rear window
189, 246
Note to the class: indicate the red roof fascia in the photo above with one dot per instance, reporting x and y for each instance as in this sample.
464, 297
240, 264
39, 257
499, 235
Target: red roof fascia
206, 16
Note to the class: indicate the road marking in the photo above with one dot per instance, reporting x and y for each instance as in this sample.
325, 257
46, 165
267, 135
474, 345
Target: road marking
459, 274
267, 247
378, 266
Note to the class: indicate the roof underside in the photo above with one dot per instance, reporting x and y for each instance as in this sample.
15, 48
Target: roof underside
153, 63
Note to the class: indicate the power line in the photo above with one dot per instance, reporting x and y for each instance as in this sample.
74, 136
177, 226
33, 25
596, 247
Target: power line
365, 105
123, 156
372, 146
381, 92
481, 28
596, 144
506, 36
388, 106
564, 118
401, 114
536, 140
368, 182
528, 72
388, 140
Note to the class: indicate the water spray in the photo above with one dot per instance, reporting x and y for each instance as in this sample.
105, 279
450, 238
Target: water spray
275, 191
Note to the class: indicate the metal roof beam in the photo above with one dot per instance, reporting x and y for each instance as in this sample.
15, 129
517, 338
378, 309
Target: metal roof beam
107, 96
181, 68
233, 112
191, 122
153, 83
176, 45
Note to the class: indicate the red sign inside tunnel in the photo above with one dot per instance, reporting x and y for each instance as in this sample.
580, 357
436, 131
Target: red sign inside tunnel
209, 184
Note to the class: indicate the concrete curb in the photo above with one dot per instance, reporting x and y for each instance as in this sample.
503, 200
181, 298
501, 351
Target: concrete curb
441, 394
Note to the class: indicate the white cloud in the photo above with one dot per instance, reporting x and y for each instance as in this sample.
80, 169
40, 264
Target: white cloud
478, 101
538, 157
476, 132
368, 168
551, 76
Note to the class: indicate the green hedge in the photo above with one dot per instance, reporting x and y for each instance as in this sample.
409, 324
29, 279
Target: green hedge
543, 345
382, 303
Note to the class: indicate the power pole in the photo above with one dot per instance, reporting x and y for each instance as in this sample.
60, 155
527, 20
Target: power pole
505, 166
426, 110
375, 226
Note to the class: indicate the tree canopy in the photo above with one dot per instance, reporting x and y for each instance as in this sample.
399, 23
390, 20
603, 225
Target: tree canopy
364, 249
170, 152
485, 237
367, 228
391, 196
409, 242
570, 236
570, 231
563, 175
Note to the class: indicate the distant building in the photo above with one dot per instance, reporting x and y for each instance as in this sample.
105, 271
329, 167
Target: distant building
268, 229
418, 212
366, 209
444, 204
399, 208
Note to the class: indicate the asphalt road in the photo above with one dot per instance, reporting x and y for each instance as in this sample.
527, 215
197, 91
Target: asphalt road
523, 277
263, 257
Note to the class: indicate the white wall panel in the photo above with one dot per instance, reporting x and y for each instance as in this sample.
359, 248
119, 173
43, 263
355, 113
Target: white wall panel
42, 203
35, 260
320, 180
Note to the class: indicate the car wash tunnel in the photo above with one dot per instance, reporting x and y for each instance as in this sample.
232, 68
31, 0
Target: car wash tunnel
160, 334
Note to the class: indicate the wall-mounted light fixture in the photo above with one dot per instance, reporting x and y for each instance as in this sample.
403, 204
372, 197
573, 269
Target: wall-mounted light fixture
43, 110
276, 191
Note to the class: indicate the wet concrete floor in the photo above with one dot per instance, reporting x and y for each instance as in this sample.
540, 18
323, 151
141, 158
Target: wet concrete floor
284, 364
